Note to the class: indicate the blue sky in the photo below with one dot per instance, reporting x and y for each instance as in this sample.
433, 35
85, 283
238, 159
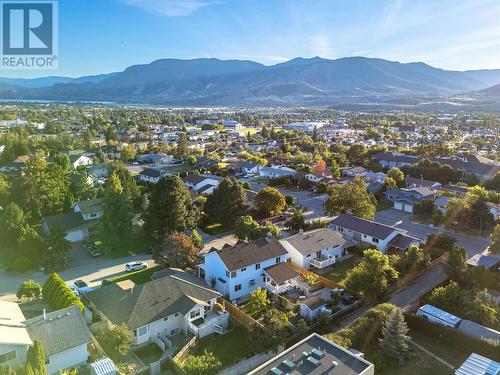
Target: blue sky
99, 36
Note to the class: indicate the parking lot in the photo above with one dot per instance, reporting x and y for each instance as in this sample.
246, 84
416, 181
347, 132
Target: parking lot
473, 244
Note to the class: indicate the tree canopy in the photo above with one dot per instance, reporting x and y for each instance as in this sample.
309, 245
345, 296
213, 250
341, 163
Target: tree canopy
351, 198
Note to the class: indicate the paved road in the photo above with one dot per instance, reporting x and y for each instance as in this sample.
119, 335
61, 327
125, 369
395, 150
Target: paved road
93, 274
473, 244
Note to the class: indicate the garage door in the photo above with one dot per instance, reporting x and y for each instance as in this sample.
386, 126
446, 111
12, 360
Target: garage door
398, 206
408, 208
76, 236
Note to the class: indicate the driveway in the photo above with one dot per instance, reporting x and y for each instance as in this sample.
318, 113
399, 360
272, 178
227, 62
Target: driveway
92, 273
473, 244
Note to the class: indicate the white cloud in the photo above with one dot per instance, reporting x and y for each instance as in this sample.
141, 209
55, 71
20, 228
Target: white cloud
320, 45
170, 8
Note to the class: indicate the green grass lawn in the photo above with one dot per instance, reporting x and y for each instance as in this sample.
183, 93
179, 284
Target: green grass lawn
150, 353
229, 348
214, 229
339, 270
451, 354
178, 168
138, 277
420, 364
138, 242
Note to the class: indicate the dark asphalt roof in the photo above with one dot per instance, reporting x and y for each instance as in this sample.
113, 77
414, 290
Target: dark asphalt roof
151, 172
315, 240
193, 178
281, 272
246, 254
60, 330
138, 305
402, 241
67, 221
90, 206
369, 227
313, 302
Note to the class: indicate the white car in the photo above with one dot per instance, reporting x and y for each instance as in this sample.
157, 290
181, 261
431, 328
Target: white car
135, 266
74, 290
82, 287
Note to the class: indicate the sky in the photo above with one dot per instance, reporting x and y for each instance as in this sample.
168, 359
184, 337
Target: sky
101, 36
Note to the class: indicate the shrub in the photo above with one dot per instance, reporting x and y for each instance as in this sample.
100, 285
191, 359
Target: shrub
205, 364
219, 307
29, 289
22, 264
114, 340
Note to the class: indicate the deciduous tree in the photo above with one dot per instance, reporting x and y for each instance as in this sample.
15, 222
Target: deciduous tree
269, 202
351, 198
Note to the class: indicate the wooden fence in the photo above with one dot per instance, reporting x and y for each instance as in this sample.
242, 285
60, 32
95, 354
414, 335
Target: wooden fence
240, 316
185, 351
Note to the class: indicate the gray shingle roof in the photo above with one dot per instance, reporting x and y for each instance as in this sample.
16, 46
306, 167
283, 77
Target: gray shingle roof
402, 241
142, 304
60, 330
90, 206
315, 240
369, 227
281, 272
246, 254
67, 221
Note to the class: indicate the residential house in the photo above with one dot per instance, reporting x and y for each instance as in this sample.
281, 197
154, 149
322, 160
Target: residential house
245, 167
395, 159
412, 182
236, 271
14, 339
311, 307
206, 163
441, 202
63, 334
155, 158
490, 262
316, 355
353, 171
79, 159
99, 170
152, 175
314, 177
383, 237
64, 337
405, 199
77, 224
317, 248
173, 302
276, 171
197, 182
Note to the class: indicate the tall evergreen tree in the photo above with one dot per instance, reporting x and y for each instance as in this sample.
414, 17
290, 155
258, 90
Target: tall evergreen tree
56, 250
127, 181
394, 341
226, 203
170, 208
36, 358
116, 223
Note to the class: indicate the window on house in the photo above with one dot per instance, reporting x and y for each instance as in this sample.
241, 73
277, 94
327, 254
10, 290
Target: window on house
175, 331
308, 255
165, 318
233, 274
257, 266
237, 288
47, 361
364, 236
8, 356
278, 259
243, 269
194, 314
375, 240
227, 273
142, 331
252, 282
176, 315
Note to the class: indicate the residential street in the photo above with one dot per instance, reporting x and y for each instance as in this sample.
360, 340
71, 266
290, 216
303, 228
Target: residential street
93, 274
473, 244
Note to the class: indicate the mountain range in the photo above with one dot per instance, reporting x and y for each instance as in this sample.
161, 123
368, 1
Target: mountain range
300, 81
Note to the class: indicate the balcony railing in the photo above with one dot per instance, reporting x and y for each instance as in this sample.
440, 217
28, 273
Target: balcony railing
323, 262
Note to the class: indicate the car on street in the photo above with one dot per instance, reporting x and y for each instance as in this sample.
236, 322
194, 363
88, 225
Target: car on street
74, 290
135, 266
82, 286
94, 251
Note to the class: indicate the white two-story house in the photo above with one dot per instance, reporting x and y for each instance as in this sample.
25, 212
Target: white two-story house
166, 306
383, 237
197, 182
317, 248
236, 271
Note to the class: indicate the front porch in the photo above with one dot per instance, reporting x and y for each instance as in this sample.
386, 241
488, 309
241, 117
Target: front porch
212, 322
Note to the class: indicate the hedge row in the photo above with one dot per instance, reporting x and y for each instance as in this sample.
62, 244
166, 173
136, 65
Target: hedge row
58, 295
454, 338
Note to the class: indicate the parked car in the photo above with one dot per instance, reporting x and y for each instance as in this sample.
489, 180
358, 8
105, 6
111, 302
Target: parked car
135, 266
82, 286
94, 251
74, 290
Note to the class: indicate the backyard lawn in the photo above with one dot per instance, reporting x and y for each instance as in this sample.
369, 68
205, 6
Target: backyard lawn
150, 353
339, 270
138, 277
421, 363
452, 354
229, 348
